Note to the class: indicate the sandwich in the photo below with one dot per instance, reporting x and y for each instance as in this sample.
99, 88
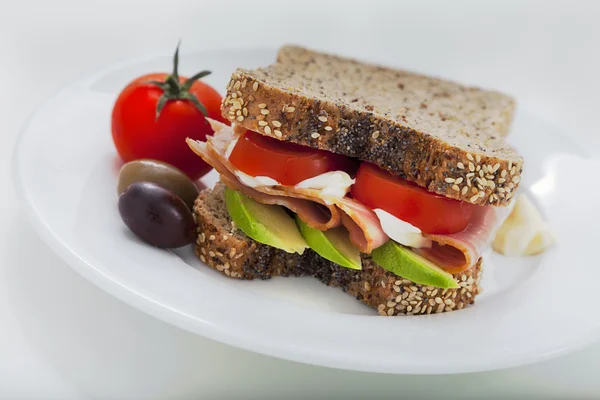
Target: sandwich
383, 182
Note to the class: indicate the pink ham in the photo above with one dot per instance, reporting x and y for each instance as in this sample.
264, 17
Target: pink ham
459, 251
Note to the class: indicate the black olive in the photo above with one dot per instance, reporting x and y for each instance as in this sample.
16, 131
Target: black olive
156, 215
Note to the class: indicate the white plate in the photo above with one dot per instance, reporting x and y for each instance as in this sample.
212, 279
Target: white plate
65, 171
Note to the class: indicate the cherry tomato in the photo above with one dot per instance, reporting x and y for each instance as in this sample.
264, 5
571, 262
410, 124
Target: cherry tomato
427, 211
286, 162
140, 129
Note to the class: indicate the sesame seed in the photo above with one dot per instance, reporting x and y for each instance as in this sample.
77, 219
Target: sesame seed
513, 170
471, 167
390, 312
474, 190
260, 117
458, 181
449, 180
277, 133
478, 169
267, 130
382, 313
245, 111
464, 190
381, 307
211, 253
434, 292
501, 180
375, 135
212, 237
202, 237
469, 156
244, 83
251, 98
474, 198
322, 118
503, 173
495, 167
263, 123
491, 184
225, 237
328, 128
516, 179
429, 309
226, 265
231, 112
510, 165
367, 286
478, 158
398, 282
510, 186
409, 308
240, 118
290, 109
264, 111
396, 289
234, 95
482, 194
315, 135
460, 165
237, 85
440, 308
398, 299
438, 300
255, 86
232, 252
203, 250
262, 105
490, 176
456, 188
391, 304
276, 124
202, 258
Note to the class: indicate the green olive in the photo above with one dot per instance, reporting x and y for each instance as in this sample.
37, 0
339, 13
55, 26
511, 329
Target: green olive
160, 173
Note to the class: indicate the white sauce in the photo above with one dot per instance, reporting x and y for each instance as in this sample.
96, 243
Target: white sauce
334, 183
255, 181
401, 231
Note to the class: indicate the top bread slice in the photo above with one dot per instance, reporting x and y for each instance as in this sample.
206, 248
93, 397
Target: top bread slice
441, 135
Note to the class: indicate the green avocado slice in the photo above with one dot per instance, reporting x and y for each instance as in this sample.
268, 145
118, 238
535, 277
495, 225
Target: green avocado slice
403, 262
268, 224
333, 244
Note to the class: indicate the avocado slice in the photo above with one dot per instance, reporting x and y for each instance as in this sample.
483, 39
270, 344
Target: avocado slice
268, 224
403, 262
333, 244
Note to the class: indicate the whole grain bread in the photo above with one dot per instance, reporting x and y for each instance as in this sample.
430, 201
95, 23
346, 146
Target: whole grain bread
228, 250
444, 136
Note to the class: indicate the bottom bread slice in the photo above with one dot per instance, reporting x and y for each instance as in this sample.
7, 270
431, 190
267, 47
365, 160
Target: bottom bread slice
228, 250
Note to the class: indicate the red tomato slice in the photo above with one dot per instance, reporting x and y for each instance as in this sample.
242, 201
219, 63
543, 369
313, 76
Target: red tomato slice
427, 211
286, 162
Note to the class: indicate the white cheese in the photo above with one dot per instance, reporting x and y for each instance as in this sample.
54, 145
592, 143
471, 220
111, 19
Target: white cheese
524, 232
334, 183
230, 147
256, 181
401, 231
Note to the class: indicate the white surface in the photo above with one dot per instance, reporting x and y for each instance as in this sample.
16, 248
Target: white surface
63, 338
66, 182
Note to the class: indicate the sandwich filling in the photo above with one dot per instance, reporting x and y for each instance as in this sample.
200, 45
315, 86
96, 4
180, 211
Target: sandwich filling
328, 190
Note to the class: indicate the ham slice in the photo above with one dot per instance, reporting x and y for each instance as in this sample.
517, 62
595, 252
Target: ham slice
454, 253
459, 251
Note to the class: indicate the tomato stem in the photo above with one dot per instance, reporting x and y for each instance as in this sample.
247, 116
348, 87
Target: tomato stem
175, 90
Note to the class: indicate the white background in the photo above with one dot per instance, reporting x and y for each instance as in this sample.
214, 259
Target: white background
61, 337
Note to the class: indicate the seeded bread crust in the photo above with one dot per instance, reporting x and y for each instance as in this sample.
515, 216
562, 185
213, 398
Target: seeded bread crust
444, 136
228, 250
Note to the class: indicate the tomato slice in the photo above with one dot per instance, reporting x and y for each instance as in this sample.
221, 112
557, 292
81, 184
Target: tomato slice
429, 212
286, 162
